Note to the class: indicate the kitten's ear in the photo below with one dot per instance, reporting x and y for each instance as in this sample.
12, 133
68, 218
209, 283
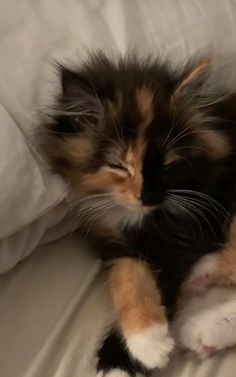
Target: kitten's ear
80, 98
193, 76
74, 84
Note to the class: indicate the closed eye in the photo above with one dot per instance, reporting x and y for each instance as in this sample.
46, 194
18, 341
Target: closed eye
118, 169
171, 159
116, 166
171, 165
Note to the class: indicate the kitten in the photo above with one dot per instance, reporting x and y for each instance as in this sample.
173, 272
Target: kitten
150, 164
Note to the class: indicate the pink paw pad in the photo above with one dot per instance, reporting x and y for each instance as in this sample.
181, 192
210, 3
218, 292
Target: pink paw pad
197, 284
204, 352
210, 350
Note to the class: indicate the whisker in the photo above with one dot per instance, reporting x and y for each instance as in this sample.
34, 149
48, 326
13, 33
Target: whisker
187, 211
173, 124
90, 212
204, 196
92, 206
94, 196
120, 136
211, 100
201, 214
199, 204
191, 147
209, 203
181, 133
98, 218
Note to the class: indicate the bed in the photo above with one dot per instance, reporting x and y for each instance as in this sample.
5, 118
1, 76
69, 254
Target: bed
54, 301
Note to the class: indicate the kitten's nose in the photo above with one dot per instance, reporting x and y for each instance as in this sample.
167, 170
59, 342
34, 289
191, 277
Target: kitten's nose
138, 196
150, 197
137, 186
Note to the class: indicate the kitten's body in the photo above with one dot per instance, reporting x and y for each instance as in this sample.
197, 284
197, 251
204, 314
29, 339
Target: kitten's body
150, 163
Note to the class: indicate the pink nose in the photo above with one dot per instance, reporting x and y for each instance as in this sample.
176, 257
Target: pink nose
138, 195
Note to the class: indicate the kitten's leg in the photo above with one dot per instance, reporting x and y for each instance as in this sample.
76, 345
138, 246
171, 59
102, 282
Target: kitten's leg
141, 317
215, 269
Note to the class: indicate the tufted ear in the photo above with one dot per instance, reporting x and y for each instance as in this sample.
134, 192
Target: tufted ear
193, 77
74, 83
80, 99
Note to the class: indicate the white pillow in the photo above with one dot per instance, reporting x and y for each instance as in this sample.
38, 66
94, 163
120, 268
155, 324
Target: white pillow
20, 244
27, 191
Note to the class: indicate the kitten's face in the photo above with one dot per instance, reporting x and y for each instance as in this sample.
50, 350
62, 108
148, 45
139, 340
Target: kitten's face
129, 137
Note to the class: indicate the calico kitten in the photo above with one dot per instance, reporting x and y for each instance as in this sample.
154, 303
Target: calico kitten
150, 163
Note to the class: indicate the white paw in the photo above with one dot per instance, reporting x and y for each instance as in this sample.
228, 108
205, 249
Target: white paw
152, 347
113, 373
218, 335
207, 330
200, 276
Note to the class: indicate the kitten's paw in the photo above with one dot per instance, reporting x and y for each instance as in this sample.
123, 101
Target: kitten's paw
113, 373
217, 336
208, 333
204, 352
152, 347
201, 275
118, 373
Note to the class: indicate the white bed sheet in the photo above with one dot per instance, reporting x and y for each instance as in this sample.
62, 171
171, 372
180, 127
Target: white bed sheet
53, 308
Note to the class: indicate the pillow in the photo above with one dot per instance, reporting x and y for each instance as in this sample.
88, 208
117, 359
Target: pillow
27, 191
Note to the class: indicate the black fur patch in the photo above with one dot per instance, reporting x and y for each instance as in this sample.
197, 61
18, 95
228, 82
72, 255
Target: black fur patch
113, 354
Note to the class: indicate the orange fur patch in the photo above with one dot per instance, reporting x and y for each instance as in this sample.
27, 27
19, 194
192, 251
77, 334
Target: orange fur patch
134, 158
172, 157
226, 268
145, 100
136, 298
78, 149
73, 150
102, 180
194, 74
225, 271
128, 189
216, 144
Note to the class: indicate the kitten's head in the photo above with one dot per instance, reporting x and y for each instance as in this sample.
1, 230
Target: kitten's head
129, 134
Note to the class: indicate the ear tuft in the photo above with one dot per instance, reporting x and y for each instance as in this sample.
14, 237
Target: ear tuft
73, 83
194, 76
79, 105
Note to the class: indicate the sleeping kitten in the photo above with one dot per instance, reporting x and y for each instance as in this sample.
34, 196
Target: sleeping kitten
150, 164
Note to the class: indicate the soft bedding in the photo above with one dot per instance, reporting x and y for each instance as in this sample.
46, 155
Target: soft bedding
28, 193
53, 308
